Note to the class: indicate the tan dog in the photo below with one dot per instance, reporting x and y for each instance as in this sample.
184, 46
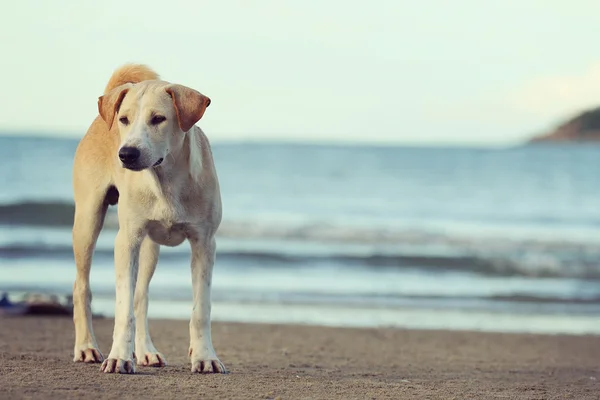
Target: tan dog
144, 152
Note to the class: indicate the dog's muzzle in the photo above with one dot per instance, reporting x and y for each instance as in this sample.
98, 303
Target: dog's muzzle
156, 164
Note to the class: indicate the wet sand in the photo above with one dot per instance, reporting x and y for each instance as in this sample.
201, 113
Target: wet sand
305, 362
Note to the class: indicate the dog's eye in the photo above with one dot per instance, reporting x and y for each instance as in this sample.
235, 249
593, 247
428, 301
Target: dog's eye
124, 120
157, 119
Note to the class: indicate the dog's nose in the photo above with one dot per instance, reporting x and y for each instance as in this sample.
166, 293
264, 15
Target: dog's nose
129, 155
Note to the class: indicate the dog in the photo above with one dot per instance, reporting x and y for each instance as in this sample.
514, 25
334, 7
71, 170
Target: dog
144, 152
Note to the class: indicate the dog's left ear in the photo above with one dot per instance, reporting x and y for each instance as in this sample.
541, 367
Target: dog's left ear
189, 105
109, 103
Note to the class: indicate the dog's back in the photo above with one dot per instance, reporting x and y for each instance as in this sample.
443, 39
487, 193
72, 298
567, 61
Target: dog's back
130, 73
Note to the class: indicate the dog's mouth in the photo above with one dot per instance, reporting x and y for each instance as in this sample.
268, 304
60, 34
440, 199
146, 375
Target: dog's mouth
136, 167
133, 167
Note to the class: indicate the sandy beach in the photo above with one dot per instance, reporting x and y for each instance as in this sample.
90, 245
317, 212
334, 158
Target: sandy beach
305, 362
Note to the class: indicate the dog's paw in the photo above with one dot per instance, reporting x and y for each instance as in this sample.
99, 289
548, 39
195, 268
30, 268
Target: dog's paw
208, 366
152, 360
88, 355
118, 366
205, 360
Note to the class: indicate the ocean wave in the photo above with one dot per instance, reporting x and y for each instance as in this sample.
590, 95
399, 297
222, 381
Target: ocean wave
37, 213
59, 215
319, 242
491, 265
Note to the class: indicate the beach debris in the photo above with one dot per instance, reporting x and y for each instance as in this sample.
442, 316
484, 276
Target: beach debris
36, 304
4, 300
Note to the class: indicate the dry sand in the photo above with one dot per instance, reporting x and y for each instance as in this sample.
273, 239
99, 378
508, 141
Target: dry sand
302, 362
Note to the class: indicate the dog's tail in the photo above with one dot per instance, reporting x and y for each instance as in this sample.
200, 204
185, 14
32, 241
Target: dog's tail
130, 73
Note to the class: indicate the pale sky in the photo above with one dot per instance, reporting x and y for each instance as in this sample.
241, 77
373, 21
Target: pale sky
449, 72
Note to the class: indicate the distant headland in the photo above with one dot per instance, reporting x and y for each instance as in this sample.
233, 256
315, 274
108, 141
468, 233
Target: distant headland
582, 128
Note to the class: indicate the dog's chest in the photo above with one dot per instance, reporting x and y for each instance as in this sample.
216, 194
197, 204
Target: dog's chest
174, 211
167, 234
170, 223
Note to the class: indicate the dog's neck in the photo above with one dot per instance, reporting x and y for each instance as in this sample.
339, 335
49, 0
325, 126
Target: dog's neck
181, 168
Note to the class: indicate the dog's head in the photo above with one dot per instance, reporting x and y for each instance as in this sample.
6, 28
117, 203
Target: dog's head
152, 118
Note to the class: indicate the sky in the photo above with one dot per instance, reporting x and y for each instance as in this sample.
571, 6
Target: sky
426, 72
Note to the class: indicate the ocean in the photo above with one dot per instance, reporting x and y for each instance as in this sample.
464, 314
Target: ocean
504, 240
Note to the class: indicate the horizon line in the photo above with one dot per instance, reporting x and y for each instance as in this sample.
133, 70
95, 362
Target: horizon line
55, 135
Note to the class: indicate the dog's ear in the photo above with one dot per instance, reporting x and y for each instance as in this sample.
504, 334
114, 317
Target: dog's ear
109, 103
189, 105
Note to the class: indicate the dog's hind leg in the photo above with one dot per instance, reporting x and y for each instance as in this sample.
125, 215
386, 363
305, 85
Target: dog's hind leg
145, 351
89, 218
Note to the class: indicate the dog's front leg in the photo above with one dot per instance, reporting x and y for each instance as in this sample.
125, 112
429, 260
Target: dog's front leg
202, 352
127, 251
145, 351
